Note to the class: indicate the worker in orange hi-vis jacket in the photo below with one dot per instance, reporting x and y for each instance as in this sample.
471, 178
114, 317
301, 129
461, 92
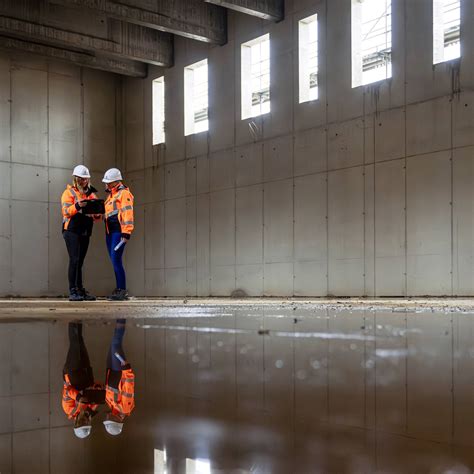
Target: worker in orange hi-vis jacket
81, 395
119, 383
119, 225
77, 229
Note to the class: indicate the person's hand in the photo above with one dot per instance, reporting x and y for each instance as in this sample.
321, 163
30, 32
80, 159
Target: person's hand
124, 240
83, 399
82, 203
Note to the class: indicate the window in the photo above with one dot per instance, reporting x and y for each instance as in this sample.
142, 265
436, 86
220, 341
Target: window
158, 94
446, 30
256, 77
371, 41
308, 58
196, 98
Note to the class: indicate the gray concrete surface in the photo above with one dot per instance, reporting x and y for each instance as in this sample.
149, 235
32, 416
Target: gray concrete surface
115, 65
190, 18
265, 9
46, 25
52, 117
366, 191
252, 390
61, 309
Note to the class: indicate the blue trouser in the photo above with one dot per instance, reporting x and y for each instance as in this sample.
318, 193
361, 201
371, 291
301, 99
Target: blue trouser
113, 362
114, 365
116, 257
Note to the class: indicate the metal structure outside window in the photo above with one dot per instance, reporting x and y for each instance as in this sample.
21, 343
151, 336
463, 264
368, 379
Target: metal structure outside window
308, 58
158, 98
446, 30
196, 98
256, 77
371, 41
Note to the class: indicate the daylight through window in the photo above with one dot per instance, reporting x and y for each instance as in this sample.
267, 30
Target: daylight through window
371, 41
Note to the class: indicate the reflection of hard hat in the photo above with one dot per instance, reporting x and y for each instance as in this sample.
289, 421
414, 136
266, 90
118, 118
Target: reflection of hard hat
113, 427
111, 175
83, 431
81, 172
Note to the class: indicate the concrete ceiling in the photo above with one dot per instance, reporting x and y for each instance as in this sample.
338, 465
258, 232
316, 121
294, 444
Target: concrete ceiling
266, 9
119, 36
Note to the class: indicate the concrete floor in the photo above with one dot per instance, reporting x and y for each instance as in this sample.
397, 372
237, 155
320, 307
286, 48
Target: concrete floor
261, 386
53, 308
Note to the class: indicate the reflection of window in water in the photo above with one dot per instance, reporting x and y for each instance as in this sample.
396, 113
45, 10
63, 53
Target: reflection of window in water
193, 466
198, 466
160, 462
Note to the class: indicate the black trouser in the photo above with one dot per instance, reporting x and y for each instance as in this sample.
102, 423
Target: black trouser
77, 246
78, 365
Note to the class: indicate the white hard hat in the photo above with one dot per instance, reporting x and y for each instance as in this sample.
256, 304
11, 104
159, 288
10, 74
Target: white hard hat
81, 171
111, 175
113, 427
83, 431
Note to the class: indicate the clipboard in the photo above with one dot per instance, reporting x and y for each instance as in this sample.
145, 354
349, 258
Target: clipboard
94, 206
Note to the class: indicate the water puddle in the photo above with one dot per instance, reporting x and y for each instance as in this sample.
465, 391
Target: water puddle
236, 390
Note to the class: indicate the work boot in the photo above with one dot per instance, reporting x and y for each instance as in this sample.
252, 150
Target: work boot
75, 295
118, 295
113, 294
86, 295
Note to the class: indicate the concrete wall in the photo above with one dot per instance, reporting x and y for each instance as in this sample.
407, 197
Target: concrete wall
366, 191
52, 117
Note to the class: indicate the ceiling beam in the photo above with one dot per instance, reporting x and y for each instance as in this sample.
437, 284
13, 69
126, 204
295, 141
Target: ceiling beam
189, 18
115, 65
267, 9
134, 42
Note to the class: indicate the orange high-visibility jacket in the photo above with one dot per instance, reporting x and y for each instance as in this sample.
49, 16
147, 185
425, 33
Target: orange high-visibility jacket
71, 405
120, 203
70, 197
121, 400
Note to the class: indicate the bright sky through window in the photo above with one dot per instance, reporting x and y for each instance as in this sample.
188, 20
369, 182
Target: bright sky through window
196, 98
256, 77
371, 41
446, 30
158, 93
308, 58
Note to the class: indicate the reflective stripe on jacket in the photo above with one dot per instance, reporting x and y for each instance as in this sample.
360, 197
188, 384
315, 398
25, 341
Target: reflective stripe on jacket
121, 400
119, 205
70, 197
70, 405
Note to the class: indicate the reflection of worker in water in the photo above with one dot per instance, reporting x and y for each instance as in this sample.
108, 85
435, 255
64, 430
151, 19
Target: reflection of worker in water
81, 395
119, 383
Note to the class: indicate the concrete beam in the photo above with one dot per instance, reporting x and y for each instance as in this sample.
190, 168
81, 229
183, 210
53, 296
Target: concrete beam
267, 9
128, 41
117, 66
189, 18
